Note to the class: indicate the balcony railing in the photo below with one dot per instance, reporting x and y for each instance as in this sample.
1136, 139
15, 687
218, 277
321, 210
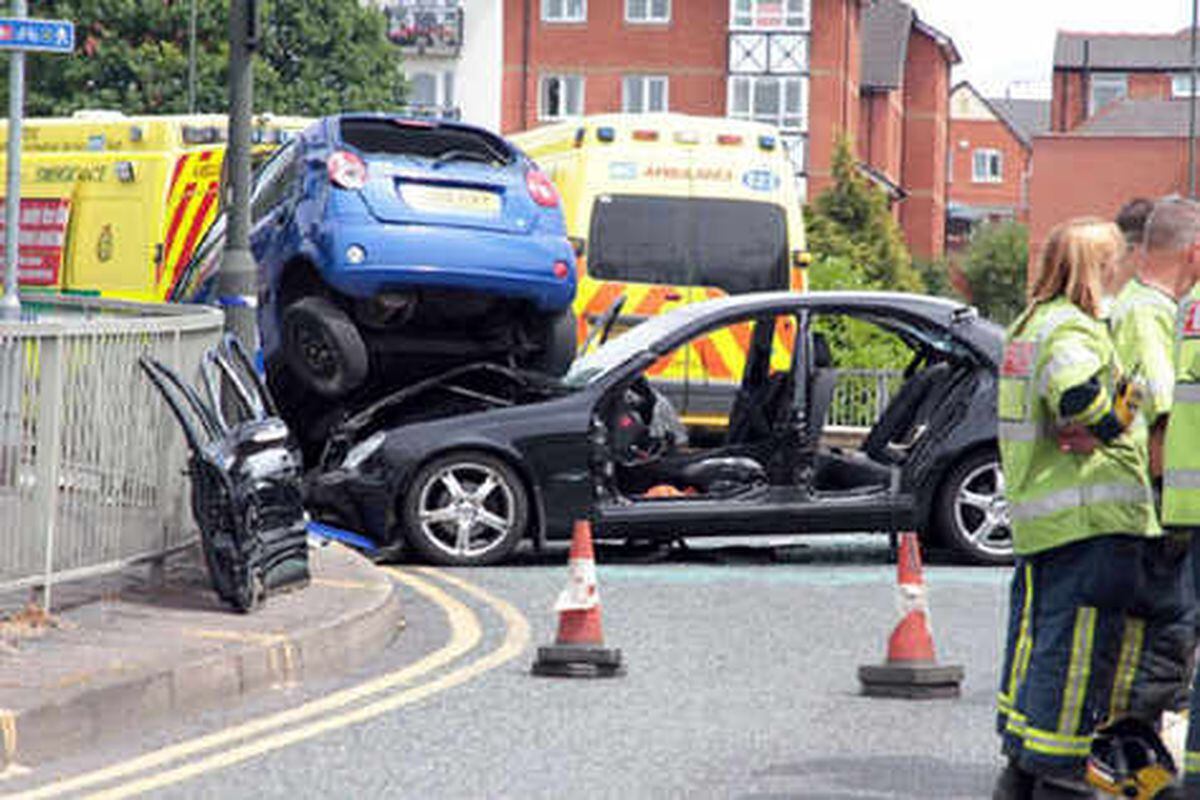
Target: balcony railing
426, 30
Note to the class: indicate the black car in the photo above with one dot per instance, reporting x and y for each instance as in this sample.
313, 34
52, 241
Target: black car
463, 466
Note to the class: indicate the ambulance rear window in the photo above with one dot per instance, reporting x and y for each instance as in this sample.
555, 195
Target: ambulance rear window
736, 245
383, 136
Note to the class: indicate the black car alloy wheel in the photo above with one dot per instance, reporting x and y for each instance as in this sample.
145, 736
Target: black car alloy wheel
466, 509
973, 515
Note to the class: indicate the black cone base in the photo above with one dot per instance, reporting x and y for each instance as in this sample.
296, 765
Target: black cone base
578, 661
911, 680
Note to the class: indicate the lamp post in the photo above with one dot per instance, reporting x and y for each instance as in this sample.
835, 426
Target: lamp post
237, 283
10, 303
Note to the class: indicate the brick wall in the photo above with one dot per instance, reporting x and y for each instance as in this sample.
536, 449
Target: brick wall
926, 127
690, 50
967, 136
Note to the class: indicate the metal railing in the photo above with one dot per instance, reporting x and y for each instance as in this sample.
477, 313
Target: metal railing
860, 396
91, 463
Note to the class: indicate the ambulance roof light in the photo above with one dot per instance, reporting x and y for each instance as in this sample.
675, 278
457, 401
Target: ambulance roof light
766, 142
98, 114
729, 139
645, 136
605, 134
687, 137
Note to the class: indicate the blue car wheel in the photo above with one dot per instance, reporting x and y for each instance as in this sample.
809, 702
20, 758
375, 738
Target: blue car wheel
323, 348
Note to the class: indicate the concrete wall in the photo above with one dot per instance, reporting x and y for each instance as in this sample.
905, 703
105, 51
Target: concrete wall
835, 58
690, 50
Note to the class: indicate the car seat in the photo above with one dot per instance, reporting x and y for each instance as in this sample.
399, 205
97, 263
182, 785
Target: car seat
912, 406
821, 385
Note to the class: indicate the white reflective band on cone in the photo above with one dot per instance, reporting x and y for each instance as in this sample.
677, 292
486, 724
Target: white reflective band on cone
581, 592
1078, 497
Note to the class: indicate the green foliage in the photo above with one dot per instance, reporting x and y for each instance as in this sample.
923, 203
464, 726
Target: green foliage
935, 275
995, 269
857, 245
316, 57
852, 220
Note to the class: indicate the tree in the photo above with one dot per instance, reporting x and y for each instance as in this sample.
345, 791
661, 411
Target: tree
851, 220
995, 269
857, 245
316, 57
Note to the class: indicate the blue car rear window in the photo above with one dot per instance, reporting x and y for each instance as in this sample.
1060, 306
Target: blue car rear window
394, 137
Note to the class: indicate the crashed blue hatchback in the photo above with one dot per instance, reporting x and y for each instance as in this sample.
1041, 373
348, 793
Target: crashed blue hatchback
391, 248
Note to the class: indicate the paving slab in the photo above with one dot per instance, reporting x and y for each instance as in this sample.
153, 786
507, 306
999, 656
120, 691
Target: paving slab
122, 650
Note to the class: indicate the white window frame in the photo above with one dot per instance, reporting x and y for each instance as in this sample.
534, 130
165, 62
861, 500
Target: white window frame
994, 171
560, 76
750, 113
1107, 80
565, 15
649, 19
800, 11
1181, 85
645, 81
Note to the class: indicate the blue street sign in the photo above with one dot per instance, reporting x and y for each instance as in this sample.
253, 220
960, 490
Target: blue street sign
48, 35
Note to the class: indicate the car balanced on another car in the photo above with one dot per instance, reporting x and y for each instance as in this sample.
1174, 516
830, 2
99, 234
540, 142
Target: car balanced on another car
392, 249
463, 466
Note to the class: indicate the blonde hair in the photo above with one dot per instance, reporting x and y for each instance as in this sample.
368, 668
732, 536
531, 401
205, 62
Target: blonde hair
1079, 255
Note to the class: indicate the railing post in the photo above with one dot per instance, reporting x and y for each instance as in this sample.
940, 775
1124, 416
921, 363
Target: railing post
49, 443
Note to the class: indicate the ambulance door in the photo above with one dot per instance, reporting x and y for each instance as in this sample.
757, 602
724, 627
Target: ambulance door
116, 218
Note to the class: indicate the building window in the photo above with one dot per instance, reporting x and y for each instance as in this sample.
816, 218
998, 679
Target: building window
769, 13
561, 96
779, 101
564, 10
647, 10
642, 94
1181, 84
1105, 89
987, 167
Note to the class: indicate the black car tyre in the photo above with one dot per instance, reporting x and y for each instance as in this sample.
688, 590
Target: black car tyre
558, 336
971, 515
323, 348
465, 509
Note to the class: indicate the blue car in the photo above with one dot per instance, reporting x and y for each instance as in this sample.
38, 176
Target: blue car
390, 249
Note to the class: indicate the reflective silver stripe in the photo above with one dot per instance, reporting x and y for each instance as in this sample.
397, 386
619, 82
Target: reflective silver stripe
1019, 431
1187, 393
1063, 360
1182, 479
1078, 497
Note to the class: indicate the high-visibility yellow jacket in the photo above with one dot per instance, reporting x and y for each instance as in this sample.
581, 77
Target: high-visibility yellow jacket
1058, 498
1181, 450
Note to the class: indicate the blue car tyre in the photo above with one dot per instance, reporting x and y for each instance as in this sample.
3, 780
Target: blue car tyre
558, 345
465, 509
323, 348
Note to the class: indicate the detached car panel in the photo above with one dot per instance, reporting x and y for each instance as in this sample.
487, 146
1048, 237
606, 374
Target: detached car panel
464, 465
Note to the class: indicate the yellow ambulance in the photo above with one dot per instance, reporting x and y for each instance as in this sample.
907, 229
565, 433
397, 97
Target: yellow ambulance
669, 209
115, 205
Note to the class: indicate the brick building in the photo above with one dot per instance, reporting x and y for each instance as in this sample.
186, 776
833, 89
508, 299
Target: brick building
990, 159
1119, 127
904, 120
1092, 70
798, 64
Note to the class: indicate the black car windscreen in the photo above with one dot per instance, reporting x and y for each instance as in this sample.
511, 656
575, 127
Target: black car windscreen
737, 245
383, 136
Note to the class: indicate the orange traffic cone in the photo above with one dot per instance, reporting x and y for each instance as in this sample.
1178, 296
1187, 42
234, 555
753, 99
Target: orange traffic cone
579, 651
911, 669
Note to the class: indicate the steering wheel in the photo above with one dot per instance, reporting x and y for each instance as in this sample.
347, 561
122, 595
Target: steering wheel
603, 326
638, 440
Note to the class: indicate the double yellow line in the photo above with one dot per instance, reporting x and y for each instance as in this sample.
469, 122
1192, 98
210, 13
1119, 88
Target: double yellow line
189, 759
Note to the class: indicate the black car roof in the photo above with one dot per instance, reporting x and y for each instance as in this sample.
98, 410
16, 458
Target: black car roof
962, 319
